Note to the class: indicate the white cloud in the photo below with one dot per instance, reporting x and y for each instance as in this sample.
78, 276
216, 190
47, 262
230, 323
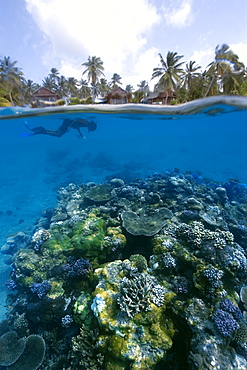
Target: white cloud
241, 50
144, 64
203, 57
179, 14
115, 31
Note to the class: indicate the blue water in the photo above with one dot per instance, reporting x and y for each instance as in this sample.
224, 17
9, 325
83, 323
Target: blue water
131, 141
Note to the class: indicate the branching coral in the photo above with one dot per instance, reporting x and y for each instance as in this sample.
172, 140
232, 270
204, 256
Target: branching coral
136, 294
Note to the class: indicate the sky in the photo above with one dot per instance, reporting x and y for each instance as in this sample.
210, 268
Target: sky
127, 35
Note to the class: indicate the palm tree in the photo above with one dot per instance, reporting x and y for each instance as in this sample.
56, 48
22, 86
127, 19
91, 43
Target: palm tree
191, 78
129, 88
11, 77
232, 81
48, 83
72, 86
94, 70
62, 86
84, 90
103, 87
115, 81
28, 88
190, 73
225, 63
54, 75
143, 87
169, 73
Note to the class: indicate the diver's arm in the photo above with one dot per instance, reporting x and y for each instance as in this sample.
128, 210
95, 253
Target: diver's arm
80, 134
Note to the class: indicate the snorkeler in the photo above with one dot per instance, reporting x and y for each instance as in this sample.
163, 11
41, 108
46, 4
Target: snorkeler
64, 128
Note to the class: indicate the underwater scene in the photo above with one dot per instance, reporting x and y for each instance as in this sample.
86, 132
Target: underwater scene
123, 241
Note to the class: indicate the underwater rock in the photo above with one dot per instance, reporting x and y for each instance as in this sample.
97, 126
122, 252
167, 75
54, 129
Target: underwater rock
213, 217
208, 352
147, 222
14, 242
243, 296
117, 183
100, 193
11, 348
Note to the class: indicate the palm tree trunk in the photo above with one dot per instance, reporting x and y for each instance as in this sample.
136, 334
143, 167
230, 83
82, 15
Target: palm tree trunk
210, 85
11, 99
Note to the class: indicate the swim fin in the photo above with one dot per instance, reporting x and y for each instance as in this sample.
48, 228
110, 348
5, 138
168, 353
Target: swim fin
26, 134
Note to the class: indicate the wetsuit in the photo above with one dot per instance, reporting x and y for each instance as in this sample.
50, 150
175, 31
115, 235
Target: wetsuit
65, 127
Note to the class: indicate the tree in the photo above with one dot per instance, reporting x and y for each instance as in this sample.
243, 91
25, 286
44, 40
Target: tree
115, 81
224, 70
48, 83
129, 88
62, 86
143, 87
11, 77
103, 87
28, 88
84, 89
72, 86
54, 75
94, 70
191, 71
169, 73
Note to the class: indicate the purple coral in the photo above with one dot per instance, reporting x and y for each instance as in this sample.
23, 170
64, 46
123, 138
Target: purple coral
11, 285
225, 323
41, 289
67, 321
229, 307
76, 268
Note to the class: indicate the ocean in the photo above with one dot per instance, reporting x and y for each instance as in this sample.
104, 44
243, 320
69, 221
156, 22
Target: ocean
205, 139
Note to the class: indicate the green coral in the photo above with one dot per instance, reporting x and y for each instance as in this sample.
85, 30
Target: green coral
139, 262
82, 310
95, 239
139, 341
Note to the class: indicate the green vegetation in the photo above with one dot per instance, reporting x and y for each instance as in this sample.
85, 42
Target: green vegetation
224, 75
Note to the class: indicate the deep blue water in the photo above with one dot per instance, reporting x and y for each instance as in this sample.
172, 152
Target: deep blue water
208, 137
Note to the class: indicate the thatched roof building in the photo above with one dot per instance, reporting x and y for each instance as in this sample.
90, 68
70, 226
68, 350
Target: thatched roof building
45, 94
162, 97
117, 96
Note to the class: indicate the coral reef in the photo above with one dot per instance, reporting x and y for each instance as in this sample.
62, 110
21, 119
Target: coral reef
149, 274
24, 353
32, 356
147, 222
11, 348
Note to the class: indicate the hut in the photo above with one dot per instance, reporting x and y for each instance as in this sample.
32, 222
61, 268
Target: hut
117, 96
44, 95
160, 97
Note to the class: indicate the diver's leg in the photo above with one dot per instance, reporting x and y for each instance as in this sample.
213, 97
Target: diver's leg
40, 130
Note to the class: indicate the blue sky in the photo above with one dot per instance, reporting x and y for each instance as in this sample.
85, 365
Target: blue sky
127, 35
